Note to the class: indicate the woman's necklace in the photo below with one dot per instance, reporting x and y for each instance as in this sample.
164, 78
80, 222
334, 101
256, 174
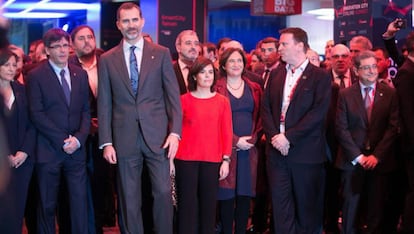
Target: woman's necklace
235, 89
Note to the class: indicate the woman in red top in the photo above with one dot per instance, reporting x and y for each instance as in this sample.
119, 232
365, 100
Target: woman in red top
203, 156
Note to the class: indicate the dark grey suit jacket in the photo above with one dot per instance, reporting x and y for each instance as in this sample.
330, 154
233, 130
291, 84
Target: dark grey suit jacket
155, 111
353, 130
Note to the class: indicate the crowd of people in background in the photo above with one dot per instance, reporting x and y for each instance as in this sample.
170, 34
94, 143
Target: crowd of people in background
221, 140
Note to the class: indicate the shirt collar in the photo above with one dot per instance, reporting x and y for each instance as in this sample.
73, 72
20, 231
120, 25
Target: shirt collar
92, 65
139, 45
57, 69
347, 74
301, 68
181, 64
373, 86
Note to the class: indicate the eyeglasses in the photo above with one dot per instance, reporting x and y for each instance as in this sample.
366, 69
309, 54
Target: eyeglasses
337, 56
64, 46
355, 51
368, 67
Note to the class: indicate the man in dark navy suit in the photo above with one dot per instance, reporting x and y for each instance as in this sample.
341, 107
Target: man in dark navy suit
294, 109
58, 95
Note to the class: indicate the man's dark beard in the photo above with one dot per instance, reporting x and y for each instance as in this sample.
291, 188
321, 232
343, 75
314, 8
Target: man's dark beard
88, 56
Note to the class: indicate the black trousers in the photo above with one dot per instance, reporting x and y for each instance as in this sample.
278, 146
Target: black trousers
297, 191
197, 185
237, 210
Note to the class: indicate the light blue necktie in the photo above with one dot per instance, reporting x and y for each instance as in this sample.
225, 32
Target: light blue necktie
133, 67
65, 86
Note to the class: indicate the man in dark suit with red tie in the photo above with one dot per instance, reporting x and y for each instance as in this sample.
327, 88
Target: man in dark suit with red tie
58, 100
294, 109
366, 127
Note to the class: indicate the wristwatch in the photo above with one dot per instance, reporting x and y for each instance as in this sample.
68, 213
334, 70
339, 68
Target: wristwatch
226, 160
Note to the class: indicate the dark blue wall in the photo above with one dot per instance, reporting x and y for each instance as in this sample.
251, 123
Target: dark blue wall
238, 24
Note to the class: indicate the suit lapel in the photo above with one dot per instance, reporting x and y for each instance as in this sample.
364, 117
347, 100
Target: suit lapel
301, 81
358, 101
279, 83
75, 84
147, 58
123, 70
378, 98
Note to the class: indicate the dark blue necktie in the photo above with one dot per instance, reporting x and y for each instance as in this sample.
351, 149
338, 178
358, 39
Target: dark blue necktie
133, 67
65, 86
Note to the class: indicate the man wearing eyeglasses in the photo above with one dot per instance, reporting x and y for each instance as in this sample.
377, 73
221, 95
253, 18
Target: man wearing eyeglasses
58, 95
366, 127
341, 66
341, 77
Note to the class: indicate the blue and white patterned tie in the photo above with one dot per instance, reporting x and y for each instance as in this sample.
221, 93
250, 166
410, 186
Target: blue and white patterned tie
133, 67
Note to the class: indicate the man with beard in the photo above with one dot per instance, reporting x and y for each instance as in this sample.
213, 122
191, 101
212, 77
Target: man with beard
270, 56
187, 46
140, 119
101, 209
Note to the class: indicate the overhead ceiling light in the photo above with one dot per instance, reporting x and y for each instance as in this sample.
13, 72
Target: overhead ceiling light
322, 11
325, 17
34, 6
34, 15
6, 4
53, 6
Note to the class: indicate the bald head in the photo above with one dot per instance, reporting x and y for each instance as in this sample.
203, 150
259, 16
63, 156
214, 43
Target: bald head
340, 59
